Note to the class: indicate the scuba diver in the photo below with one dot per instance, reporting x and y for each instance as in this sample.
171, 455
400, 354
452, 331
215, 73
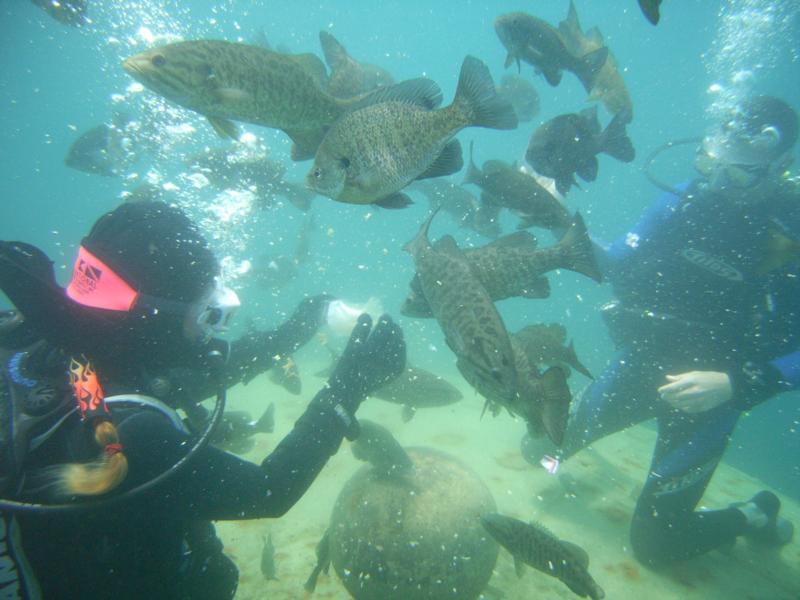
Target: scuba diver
707, 326
105, 494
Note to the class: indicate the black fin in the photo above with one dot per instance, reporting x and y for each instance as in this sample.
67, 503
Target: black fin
448, 162
266, 424
538, 288
615, 140
650, 9
552, 76
393, 201
578, 251
479, 100
575, 363
587, 170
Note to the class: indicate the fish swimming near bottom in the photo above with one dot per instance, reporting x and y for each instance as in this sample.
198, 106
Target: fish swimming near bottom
376, 445
535, 546
268, 569
414, 389
514, 266
323, 552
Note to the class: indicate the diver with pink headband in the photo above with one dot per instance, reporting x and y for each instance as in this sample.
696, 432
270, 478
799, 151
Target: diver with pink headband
91, 377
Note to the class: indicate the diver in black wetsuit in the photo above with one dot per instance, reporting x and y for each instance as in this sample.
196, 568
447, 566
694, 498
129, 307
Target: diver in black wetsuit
707, 325
138, 316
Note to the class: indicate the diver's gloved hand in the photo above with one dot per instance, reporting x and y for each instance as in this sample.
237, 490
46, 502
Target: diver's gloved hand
697, 391
373, 357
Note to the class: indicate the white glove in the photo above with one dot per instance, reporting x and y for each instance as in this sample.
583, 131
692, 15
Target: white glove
697, 391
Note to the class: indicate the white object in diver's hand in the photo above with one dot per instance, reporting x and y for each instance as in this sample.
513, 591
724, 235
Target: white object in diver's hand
696, 391
342, 317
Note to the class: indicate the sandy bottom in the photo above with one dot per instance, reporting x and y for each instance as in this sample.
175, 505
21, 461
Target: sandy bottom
593, 510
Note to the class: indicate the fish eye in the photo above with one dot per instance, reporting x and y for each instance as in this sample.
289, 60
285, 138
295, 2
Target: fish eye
158, 60
345, 162
317, 173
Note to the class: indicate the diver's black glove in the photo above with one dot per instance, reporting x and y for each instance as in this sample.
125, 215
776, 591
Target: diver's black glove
372, 358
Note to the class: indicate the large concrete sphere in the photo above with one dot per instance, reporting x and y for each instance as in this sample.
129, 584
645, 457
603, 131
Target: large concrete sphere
416, 537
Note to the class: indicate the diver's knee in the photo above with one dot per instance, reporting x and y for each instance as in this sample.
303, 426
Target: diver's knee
651, 542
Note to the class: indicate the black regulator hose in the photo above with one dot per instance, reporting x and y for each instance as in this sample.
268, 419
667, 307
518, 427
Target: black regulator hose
651, 158
216, 416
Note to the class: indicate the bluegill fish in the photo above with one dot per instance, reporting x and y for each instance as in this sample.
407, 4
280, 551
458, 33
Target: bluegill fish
569, 144
534, 546
370, 154
227, 81
536, 42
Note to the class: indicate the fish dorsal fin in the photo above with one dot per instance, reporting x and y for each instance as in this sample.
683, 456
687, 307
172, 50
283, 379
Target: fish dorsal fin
595, 36
571, 26
313, 66
447, 245
518, 239
448, 162
577, 553
422, 92
335, 54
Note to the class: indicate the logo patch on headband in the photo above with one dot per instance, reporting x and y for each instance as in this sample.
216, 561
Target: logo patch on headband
96, 285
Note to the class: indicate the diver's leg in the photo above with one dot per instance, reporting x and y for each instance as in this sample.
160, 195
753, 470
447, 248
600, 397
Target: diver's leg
665, 526
622, 396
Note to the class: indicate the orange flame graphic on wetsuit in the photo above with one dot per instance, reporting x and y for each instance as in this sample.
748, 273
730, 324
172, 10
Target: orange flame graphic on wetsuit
86, 386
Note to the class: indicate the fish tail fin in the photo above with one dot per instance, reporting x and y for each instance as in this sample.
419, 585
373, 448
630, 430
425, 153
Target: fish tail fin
479, 101
615, 140
335, 54
473, 174
578, 251
572, 359
421, 241
571, 26
555, 403
266, 423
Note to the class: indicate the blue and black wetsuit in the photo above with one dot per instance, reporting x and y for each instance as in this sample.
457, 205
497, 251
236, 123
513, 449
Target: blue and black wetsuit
695, 293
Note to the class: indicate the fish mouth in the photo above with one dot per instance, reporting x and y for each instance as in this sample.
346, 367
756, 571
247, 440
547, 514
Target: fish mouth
135, 66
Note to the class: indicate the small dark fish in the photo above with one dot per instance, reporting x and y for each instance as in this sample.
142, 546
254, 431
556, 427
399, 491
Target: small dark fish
284, 372
505, 185
68, 12
323, 562
651, 10
533, 545
569, 144
103, 150
515, 266
348, 77
522, 96
464, 208
414, 388
544, 345
237, 427
268, 559
536, 42
376, 445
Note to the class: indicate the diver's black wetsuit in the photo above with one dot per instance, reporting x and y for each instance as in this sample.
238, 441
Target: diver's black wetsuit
161, 544
694, 293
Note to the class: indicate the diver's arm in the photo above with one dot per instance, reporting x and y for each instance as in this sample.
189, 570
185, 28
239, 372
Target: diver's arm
256, 352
